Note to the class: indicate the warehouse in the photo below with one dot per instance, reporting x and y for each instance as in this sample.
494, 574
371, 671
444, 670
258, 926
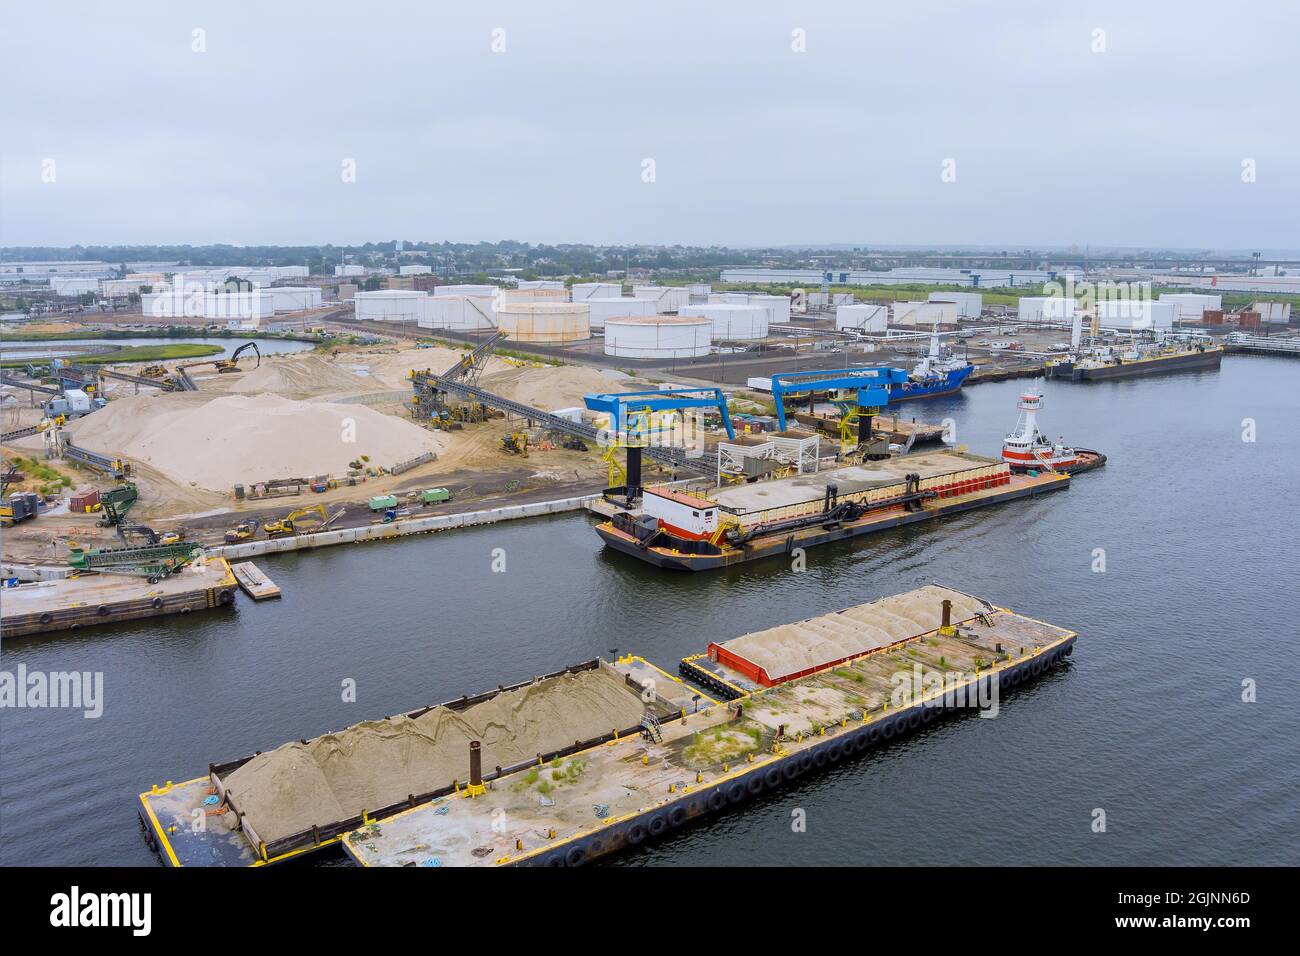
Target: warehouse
458, 312
553, 322
389, 305
733, 321
602, 309
658, 336
862, 318
73, 285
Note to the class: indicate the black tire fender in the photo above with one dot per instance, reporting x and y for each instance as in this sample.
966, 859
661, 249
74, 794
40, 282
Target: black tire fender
575, 857
835, 752
102, 610
872, 735
861, 741
47, 617
773, 777
790, 770
928, 714
820, 758
658, 824
805, 762
156, 603
636, 833
677, 816
736, 792
716, 800
913, 720
754, 785
889, 729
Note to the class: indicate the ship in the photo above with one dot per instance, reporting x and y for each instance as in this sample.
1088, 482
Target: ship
1028, 449
940, 372
1106, 362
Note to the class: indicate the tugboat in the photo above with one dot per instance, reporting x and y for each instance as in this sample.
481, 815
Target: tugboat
1028, 449
940, 372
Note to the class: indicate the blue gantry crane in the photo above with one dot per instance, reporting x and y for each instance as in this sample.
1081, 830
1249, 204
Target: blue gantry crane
633, 426
863, 392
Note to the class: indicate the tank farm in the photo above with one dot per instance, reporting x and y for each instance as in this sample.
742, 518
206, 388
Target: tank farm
598, 757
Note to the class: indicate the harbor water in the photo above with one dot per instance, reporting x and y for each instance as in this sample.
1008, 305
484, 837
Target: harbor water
1176, 564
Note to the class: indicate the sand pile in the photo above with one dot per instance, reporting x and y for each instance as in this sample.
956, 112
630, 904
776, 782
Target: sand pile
299, 376
215, 443
790, 648
551, 387
379, 762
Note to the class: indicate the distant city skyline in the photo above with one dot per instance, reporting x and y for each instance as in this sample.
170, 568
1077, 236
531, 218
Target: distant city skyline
927, 125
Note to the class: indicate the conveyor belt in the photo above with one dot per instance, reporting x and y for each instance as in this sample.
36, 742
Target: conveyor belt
166, 386
673, 457
8, 379
20, 433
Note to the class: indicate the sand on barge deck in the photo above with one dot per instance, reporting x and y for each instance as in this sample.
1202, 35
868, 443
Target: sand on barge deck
302, 796
768, 518
88, 599
616, 795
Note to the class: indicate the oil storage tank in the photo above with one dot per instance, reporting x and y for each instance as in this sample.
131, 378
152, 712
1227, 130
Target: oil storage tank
658, 336
550, 322
465, 289
535, 294
458, 312
602, 309
733, 321
389, 305
862, 317
595, 290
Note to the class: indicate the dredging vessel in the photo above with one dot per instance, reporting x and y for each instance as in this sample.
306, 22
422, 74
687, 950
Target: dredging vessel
1028, 449
743, 522
940, 372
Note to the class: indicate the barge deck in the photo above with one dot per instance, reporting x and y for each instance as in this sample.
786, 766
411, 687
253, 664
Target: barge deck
85, 600
614, 796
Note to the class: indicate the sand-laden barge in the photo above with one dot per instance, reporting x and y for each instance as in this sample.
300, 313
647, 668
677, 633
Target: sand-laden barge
302, 796
744, 522
913, 669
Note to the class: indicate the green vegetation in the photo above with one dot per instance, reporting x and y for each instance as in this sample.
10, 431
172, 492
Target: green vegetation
49, 480
139, 353
722, 744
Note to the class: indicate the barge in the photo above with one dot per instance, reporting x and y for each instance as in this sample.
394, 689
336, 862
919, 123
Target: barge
300, 798
731, 525
84, 600
895, 667
1109, 363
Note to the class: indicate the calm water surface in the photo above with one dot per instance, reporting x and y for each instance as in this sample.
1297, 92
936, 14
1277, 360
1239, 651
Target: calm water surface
1199, 531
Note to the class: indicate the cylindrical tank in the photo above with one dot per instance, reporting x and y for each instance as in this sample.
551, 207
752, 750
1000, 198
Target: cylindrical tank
465, 289
544, 321
389, 305
778, 307
582, 291
602, 309
658, 336
463, 312
535, 295
733, 321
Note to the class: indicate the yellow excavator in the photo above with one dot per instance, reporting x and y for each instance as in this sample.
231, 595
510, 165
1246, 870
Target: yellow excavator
289, 523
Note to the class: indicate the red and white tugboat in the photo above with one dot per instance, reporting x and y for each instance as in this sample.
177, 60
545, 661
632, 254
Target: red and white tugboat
1028, 449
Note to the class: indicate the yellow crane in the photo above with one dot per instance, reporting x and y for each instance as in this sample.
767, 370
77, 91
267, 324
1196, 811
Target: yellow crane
289, 523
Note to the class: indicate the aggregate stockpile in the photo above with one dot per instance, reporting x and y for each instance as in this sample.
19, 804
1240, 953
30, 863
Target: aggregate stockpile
378, 763
299, 377
215, 443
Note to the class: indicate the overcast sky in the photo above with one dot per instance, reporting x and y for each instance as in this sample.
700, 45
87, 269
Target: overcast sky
547, 137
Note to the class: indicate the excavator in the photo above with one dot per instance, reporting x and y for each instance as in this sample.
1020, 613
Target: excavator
241, 532
149, 534
226, 364
289, 523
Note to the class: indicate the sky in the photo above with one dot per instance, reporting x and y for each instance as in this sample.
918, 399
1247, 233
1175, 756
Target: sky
1159, 123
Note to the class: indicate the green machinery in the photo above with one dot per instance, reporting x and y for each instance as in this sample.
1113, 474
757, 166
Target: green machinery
117, 503
154, 561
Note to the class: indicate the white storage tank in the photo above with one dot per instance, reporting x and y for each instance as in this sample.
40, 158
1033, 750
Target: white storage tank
1191, 306
583, 291
465, 289
1042, 308
602, 309
544, 321
777, 305
969, 304
459, 312
733, 320
534, 295
658, 336
293, 298
539, 284
1134, 314
918, 314
414, 270
389, 305
667, 298
862, 318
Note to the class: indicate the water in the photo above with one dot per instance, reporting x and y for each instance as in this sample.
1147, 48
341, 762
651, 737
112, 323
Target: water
1199, 531
70, 347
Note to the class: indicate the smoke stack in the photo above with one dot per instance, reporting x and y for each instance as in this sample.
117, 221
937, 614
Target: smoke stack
475, 764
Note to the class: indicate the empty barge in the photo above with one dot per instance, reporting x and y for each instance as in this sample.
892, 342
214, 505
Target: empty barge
743, 522
806, 696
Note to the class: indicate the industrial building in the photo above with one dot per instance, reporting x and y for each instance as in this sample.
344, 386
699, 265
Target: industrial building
549, 322
414, 270
862, 318
733, 321
74, 285
658, 336
131, 284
